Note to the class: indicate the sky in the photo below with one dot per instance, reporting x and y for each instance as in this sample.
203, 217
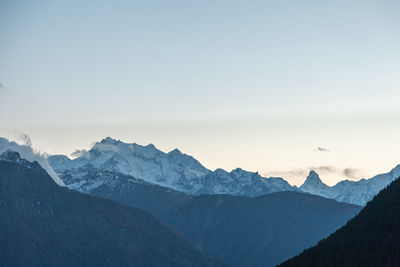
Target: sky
278, 87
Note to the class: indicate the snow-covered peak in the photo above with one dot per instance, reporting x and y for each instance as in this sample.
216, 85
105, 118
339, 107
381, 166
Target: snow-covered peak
174, 169
354, 192
175, 152
58, 159
149, 151
184, 173
396, 171
314, 185
239, 171
112, 146
109, 140
241, 182
220, 171
313, 179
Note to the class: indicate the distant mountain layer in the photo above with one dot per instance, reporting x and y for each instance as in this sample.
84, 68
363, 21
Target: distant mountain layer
358, 193
174, 170
43, 224
183, 173
238, 230
372, 238
259, 231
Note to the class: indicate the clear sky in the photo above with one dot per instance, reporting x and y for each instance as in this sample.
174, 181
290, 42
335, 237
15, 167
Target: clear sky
277, 87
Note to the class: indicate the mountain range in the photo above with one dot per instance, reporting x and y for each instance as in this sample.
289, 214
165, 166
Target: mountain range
238, 217
372, 238
353, 192
44, 224
183, 173
174, 170
237, 230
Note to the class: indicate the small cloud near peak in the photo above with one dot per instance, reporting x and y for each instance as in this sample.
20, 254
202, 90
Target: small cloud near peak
322, 149
25, 139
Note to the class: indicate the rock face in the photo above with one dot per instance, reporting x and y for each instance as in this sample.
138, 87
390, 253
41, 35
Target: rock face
369, 239
358, 193
43, 224
259, 231
174, 170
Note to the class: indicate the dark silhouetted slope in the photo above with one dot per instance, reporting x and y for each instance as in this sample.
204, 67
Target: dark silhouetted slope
372, 238
259, 231
43, 224
124, 189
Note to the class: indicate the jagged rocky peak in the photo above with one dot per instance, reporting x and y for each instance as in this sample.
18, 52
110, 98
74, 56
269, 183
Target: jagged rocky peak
242, 174
109, 144
174, 169
109, 140
220, 171
13, 156
313, 178
238, 170
149, 150
10, 155
175, 152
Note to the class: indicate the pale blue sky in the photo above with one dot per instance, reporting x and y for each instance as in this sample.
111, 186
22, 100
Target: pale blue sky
255, 84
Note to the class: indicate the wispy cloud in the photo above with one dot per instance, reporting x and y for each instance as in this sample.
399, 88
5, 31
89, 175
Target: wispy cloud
299, 174
321, 149
80, 153
27, 152
347, 172
352, 172
24, 139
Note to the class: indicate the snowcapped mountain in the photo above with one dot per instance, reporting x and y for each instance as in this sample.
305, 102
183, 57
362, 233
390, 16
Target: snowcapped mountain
242, 183
173, 170
314, 185
352, 192
183, 173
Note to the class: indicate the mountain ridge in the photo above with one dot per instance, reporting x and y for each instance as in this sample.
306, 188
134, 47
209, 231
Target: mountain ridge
184, 173
52, 225
353, 192
257, 231
174, 169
